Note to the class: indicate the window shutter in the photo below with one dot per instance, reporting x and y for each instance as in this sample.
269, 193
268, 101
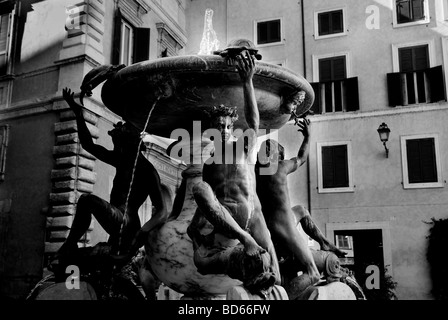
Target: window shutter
274, 31
352, 94
340, 166
414, 58
336, 22
421, 160
405, 57
262, 30
418, 9
339, 70
325, 70
324, 23
394, 89
116, 42
316, 107
4, 23
141, 44
327, 167
421, 58
428, 160
435, 76
335, 167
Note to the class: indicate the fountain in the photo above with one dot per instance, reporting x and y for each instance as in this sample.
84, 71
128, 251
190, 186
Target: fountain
176, 92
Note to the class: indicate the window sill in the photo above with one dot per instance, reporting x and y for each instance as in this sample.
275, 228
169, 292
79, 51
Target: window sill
336, 190
411, 24
329, 36
271, 44
431, 185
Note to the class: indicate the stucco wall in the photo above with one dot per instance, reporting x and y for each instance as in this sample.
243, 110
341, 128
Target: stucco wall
28, 185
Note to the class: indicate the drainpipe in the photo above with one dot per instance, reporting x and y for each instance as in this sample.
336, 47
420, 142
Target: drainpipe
308, 169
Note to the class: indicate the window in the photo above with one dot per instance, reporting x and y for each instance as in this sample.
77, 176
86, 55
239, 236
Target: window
4, 131
410, 12
445, 9
415, 82
334, 91
268, 32
126, 47
4, 42
329, 23
334, 167
421, 162
131, 44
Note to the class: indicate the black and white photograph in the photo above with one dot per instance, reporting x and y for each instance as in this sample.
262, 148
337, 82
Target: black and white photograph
209, 151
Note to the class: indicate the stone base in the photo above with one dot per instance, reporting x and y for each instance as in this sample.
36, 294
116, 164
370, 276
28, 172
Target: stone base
331, 291
59, 291
240, 293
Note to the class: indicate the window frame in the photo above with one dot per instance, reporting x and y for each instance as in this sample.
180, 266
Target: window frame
406, 185
396, 47
333, 35
8, 44
426, 20
125, 24
316, 59
256, 22
351, 186
4, 130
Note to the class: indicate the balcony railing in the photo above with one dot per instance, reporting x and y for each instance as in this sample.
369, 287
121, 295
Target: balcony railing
421, 86
336, 96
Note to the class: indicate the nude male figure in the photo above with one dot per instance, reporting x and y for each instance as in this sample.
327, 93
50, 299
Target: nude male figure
240, 244
272, 189
120, 209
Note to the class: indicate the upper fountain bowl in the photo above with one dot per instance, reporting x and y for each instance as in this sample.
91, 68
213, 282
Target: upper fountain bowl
182, 88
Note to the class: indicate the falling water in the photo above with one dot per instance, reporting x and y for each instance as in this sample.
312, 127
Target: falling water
133, 174
209, 42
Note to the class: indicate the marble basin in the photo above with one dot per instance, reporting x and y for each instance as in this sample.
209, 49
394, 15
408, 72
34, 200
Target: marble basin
183, 87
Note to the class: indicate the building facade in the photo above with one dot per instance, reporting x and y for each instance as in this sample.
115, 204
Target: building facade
46, 46
369, 62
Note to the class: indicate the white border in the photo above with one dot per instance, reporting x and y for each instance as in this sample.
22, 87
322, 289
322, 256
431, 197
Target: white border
321, 189
414, 23
344, 24
331, 227
406, 185
282, 41
395, 57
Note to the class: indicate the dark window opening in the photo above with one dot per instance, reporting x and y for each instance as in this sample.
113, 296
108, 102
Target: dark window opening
330, 22
421, 160
410, 10
269, 31
335, 172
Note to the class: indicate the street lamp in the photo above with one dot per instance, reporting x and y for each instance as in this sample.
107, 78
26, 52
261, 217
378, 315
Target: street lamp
384, 132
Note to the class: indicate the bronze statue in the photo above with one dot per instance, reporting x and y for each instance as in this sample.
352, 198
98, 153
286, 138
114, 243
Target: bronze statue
272, 189
227, 199
119, 217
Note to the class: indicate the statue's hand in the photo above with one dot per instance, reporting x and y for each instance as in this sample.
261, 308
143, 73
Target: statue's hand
68, 96
304, 126
245, 65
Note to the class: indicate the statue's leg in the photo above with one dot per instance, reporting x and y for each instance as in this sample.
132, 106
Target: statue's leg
221, 219
108, 216
313, 231
284, 230
261, 234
